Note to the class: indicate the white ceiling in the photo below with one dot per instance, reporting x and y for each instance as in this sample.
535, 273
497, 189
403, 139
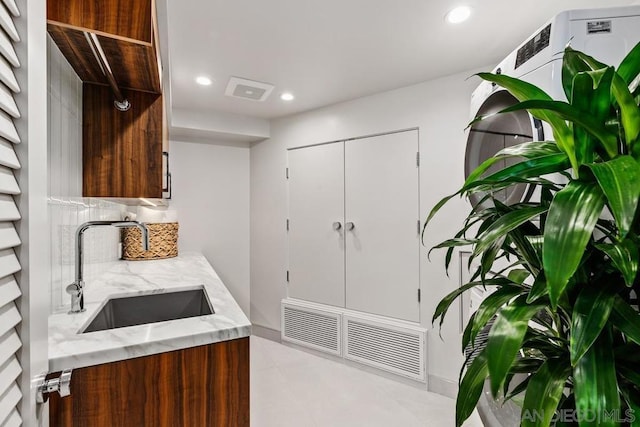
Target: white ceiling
327, 51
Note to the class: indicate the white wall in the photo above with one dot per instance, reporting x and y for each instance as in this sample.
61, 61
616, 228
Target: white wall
440, 108
211, 196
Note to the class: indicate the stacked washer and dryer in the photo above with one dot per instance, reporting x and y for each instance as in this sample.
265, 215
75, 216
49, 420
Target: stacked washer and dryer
607, 35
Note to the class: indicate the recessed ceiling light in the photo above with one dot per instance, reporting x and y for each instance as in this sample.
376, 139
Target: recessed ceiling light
287, 96
203, 80
458, 14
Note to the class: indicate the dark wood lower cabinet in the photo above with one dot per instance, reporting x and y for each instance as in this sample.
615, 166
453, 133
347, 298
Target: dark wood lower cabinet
196, 387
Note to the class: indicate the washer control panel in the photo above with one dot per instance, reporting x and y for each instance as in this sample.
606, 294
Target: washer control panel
533, 46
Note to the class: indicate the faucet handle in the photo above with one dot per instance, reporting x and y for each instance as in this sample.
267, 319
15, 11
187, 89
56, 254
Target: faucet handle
73, 289
77, 297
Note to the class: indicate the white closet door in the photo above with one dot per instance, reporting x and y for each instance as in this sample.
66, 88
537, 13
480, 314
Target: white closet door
382, 249
316, 208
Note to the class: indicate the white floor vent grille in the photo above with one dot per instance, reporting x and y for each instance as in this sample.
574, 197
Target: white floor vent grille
312, 328
389, 347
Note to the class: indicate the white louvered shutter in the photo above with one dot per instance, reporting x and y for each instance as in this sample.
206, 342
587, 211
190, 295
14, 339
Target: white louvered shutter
10, 369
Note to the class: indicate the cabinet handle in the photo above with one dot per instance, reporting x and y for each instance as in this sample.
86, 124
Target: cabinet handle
167, 188
350, 226
337, 225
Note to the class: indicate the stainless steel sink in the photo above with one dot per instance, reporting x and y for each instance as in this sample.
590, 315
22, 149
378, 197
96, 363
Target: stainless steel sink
152, 308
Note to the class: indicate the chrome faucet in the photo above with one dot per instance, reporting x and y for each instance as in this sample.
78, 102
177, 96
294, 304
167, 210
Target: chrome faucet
76, 289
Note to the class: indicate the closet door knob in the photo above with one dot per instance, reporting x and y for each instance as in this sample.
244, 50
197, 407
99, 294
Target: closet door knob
337, 225
350, 226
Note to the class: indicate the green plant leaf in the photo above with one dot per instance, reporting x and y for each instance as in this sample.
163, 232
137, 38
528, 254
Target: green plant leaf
626, 319
538, 289
471, 388
572, 64
435, 210
572, 216
490, 187
596, 385
630, 66
445, 303
606, 138
629, 113
526, 91
520, 388
634, 415
543, 393
517, 173
590, 314
592, 95
619, 180
504, 225
489, 307
453, 243
518, 275
585, 143
542, 344
535, 242
526, 251
526, 365
528, 150
466, 334
505, 339
488, 257
625, 257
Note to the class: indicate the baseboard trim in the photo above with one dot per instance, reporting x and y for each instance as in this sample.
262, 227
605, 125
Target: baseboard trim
266, 333
442, 386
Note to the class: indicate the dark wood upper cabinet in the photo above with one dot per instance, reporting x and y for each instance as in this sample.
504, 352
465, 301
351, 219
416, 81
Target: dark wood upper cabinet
126, 19
126, 30
134, 66
122, 150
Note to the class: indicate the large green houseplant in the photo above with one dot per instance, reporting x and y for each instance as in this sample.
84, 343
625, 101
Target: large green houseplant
565, 312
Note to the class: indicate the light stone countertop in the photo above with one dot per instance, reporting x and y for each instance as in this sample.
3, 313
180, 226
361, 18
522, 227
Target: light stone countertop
69, 349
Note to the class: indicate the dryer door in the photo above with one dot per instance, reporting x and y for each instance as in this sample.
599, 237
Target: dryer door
491, 135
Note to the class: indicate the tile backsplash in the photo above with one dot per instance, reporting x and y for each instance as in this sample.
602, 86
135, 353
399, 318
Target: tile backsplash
64, 127
101, 244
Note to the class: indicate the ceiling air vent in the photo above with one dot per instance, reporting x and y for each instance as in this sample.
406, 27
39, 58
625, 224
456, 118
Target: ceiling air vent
248, 89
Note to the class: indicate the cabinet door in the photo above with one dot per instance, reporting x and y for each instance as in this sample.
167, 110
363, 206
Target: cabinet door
382, 249
121, 151
316, 204
199, 386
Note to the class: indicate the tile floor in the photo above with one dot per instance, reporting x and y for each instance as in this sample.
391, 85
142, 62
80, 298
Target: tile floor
293, 388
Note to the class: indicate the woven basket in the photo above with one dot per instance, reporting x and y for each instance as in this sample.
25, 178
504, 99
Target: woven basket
163, 242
